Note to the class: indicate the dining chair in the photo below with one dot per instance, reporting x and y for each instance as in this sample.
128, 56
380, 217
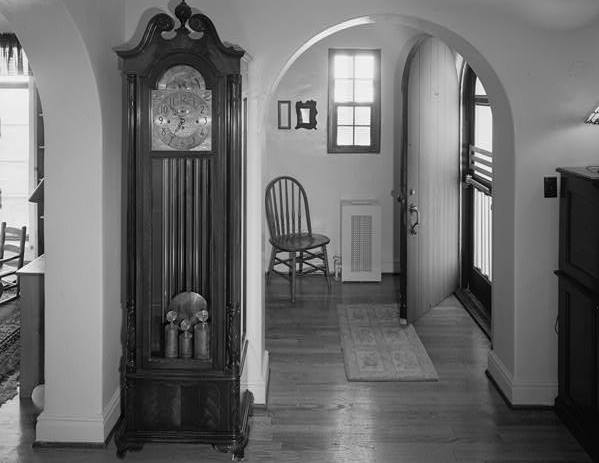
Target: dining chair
12, 254
288, 217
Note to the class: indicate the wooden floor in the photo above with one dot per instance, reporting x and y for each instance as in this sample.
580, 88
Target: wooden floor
315, 415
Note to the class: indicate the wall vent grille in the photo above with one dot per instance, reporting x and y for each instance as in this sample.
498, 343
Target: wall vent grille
360, 241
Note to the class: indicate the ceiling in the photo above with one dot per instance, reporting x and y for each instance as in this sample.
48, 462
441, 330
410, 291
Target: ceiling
550, 14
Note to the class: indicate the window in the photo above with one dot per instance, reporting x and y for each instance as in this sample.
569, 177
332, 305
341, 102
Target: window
481, 149
354, 101
477, 198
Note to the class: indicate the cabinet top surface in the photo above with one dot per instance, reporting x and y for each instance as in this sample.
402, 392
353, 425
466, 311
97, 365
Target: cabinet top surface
588, 172
35, 267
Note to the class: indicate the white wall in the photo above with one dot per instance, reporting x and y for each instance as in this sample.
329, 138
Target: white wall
99, 38
302, 153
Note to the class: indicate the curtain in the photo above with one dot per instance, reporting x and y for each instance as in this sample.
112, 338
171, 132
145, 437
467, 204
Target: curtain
12, 58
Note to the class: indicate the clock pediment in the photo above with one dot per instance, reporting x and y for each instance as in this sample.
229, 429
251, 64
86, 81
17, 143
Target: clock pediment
196, 32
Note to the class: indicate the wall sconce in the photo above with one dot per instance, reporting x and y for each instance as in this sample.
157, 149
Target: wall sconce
593, 118
306, 114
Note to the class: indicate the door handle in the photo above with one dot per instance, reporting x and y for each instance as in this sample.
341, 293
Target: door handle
414, 210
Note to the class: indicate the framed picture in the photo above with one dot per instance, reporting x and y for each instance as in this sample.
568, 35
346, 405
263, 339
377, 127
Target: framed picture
306, 114
284, 114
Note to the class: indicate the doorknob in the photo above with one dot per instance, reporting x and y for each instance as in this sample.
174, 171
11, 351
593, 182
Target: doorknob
397, 195
413, 209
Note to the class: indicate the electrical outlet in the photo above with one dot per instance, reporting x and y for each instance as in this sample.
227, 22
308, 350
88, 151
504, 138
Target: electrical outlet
550, 187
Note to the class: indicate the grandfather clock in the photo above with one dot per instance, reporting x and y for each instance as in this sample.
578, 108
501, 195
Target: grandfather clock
183, 352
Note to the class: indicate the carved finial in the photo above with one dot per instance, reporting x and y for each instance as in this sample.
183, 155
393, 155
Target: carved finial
183, 13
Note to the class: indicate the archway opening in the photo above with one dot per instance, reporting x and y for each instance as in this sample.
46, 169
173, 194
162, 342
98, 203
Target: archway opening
275, 157
21, 217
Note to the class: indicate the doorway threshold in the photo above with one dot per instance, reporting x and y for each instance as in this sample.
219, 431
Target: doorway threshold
476, 310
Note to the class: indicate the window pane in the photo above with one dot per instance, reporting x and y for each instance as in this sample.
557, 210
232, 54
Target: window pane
362, 115
344, 66
364, 67
479, 89
362, 136
364, 91
343, 90
483, 127
345, 115
345, 136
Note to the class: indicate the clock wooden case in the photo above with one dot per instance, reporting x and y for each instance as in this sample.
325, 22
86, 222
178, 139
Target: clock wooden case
183, 350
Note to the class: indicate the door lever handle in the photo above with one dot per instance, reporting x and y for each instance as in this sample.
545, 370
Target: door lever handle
414, 227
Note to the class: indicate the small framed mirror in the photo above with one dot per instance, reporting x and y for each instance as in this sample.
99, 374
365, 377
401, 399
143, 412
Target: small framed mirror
284, 114
306, 114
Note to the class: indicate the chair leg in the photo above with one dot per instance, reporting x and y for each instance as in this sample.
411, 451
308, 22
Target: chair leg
326, 265
271, 265
292, 256
301, 262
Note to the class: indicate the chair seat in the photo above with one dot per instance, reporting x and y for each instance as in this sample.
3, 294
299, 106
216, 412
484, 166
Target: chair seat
299, 242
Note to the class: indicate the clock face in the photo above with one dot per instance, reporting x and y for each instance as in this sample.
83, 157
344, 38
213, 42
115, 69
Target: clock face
181, 112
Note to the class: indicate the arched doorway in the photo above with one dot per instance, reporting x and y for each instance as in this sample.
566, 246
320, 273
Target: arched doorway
503, 148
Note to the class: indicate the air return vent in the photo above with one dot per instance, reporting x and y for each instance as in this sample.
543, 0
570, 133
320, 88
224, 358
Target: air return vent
360, 241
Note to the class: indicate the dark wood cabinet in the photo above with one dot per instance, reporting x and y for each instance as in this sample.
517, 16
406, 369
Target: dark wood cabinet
184, 350
578, 317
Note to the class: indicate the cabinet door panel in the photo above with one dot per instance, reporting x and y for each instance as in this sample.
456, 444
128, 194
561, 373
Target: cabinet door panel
579, 222
578, 328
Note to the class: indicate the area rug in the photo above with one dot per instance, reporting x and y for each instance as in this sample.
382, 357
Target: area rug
9, 356
377, 348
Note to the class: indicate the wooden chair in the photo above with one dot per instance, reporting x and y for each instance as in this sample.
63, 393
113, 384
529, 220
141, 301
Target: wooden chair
11, 258
288, 217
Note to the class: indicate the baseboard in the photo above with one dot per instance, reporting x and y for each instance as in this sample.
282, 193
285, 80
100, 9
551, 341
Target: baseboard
259, 387
520, 394
112, 413
78, 431
502, 378
53, 430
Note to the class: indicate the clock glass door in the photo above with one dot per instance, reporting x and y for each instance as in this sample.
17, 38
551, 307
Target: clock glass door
181, 266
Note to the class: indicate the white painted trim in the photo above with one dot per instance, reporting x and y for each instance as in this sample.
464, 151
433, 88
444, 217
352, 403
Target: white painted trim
259, 386
69, 429
534, 393
79, 429
112, 412
501, 375
520, 392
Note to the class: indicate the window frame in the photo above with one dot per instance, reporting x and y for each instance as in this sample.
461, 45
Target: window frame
375, 115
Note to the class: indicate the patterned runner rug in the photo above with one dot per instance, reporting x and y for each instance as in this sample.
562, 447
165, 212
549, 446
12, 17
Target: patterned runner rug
376, 348
9, 355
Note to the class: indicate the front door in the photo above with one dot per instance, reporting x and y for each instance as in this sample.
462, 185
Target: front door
431, 188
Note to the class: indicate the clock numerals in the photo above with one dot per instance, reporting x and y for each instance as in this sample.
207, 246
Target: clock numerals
181, 120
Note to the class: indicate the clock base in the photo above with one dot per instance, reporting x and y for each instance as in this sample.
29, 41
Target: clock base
128, 440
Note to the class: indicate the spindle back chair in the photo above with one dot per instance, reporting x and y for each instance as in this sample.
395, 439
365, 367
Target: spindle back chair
12, 255
290, 227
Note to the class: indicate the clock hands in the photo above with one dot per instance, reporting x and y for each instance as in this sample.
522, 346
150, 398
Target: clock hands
180, 126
